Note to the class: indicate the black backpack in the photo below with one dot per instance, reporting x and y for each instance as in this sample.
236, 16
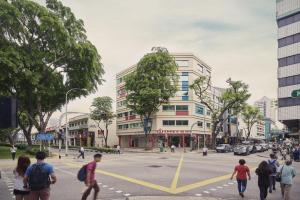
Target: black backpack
272, 166
38, 178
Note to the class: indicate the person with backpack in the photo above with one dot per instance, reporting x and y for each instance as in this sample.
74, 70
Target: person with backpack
87, 174
20, 192
273, 165
263, 172
287, 174
38, 178
242, 171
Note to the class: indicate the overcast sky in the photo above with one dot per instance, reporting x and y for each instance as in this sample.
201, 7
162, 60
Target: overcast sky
237, 38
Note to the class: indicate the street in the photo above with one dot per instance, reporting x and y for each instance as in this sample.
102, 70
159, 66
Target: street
155, 174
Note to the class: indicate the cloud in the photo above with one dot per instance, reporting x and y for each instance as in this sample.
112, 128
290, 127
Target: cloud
236, 38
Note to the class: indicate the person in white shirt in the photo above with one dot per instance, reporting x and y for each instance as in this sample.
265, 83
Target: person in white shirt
13, 151
81, 151
118, 149
20, 191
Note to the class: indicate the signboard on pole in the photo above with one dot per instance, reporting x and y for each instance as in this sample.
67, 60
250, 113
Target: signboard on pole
44, 137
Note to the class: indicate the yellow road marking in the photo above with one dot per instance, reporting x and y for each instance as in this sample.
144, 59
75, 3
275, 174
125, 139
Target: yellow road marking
173, 189
132, 180
176, 177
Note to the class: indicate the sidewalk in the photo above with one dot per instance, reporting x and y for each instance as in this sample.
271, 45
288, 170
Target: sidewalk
157, 150
167, 198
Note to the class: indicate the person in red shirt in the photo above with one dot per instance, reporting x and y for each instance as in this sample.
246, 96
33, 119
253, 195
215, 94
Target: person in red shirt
90, 181
242, 171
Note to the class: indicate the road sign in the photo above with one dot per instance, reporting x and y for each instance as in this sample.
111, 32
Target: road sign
44, 136
296, 93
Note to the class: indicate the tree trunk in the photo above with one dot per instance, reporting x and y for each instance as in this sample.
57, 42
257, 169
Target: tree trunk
106, 136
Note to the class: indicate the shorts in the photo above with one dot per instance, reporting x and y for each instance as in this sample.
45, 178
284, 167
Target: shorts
21, 192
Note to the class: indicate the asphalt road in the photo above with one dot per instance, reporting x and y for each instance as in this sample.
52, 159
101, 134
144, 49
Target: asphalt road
155, 174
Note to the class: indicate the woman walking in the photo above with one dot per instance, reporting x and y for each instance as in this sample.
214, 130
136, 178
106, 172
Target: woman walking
263, 172
19, 191
242, 171
287, 174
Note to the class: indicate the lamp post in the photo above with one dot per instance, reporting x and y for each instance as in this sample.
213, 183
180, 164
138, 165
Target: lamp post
191, 137
67, 133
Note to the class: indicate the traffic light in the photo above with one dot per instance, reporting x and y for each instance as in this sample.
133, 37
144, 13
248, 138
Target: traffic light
8, 112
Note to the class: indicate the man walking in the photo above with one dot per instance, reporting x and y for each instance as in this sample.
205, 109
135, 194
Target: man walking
287, 174
90, 181
38, 178
81, 151
273, 165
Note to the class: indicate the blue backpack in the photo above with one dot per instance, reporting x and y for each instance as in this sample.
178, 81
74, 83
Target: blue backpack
81, 175
272, 166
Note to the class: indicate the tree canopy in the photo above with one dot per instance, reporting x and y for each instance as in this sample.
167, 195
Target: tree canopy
44, 52
250, 116
102, 112
152, 83
232, 98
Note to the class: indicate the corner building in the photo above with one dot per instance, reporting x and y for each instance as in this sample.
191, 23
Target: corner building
288, 21
172, 123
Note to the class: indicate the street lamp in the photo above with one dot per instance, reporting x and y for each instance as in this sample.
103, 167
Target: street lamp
67, 133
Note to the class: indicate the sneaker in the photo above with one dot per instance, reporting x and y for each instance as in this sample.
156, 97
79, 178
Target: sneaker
242, 195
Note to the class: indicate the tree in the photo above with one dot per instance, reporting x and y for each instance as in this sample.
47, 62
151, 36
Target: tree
9, 134
44, 52
152, 84
232, 98
103, 113
250, 116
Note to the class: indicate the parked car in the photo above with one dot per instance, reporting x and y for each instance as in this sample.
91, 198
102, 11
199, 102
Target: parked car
250, 146
265, 146
241, 150
258, 148
224, 148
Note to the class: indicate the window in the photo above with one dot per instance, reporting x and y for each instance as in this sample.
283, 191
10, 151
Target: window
184, 74
183, 78
200, 124
119, 80
185, 88
199, 109
120, 127
182, 122
285, 102
185, 98
208, 113
288, 20
182, 63
119, 115
168, 108
182, 107
294, 59
168, 122
291, 80
208, 125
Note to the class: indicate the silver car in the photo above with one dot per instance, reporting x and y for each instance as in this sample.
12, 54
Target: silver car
241, 150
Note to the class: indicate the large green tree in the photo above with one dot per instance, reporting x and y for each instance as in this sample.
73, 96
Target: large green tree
44, 52
232, 98
102, 112
152, 84
250, 116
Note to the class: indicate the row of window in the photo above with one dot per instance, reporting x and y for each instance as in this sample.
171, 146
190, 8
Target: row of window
286, 102
182, 123
131, 126
290, 80
78, 123
290, 60
289, 40
178, 107
288, 20
125, 114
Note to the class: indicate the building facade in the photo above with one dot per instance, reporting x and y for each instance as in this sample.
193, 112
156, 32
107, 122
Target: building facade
288, 21
172, 123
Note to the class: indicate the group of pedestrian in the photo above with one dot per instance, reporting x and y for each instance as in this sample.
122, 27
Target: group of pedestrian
32, 182
268, 172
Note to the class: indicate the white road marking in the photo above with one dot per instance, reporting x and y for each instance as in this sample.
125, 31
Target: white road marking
225, 185
119, 191
207, 192
219, 187
127, 195
111, 188
213, 189
105, 186
198, 195
230, 183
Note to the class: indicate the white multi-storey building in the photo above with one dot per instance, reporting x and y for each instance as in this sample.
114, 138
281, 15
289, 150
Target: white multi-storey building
288, 21
172, 123
267, 107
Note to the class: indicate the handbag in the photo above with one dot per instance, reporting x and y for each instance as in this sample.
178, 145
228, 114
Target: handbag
278, 175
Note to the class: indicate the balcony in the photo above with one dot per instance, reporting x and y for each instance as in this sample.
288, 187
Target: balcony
182, 112
131, 117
